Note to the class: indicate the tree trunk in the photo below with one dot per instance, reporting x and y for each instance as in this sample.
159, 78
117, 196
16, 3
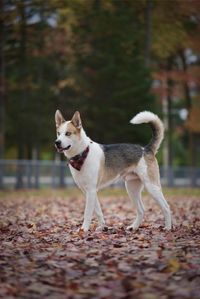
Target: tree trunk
20, 167
23, 73
192, 157
148, 32
170, 85
2, 91
188, 101
36, 158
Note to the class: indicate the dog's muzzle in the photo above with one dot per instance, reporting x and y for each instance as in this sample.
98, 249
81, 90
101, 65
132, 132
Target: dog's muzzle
58, 143
59, 148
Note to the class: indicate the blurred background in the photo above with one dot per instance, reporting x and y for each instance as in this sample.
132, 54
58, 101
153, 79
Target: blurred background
108, 59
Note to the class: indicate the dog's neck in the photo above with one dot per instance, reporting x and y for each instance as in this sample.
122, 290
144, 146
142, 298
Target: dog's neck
80, 146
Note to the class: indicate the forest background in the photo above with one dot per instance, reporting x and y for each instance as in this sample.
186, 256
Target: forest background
108, 59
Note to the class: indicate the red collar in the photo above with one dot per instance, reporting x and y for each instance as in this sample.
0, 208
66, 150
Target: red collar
78, 160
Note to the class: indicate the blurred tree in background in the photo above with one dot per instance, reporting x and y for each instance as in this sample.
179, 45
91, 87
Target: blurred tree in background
109, 59
176, 48
30, 74
107, 44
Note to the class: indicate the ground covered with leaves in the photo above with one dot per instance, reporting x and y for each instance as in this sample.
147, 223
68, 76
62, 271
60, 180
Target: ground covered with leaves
43, 256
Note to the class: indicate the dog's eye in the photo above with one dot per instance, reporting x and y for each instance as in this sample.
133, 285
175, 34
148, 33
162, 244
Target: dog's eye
58, 133
68, 134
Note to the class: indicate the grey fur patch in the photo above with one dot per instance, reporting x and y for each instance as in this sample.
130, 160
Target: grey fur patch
122, 155
155, 138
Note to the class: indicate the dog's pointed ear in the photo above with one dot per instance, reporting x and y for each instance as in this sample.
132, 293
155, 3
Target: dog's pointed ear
76, 120
59, 119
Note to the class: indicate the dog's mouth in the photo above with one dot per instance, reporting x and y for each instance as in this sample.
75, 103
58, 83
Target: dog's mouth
62, 149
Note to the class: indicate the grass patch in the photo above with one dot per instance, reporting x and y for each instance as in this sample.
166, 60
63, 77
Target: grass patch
68, 192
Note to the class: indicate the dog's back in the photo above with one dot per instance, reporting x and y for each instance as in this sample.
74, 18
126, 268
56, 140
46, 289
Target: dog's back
122, 155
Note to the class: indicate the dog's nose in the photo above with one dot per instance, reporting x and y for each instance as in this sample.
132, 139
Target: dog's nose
58, 143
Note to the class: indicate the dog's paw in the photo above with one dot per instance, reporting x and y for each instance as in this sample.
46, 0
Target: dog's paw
167, 228
133, 227
84, 229
81, 230
101, 228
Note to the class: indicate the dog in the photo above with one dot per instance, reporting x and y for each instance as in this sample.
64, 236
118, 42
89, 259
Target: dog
94, 166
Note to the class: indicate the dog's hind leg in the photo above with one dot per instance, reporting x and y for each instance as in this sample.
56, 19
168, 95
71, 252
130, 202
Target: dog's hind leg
148, 171
156, 192
98, 212
134, 189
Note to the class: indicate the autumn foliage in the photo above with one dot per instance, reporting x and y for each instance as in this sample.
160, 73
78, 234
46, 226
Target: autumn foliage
98, 57
42, 254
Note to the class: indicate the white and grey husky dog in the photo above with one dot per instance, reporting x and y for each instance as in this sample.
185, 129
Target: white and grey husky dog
94, 165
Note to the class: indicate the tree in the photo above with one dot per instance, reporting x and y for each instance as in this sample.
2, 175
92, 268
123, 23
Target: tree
2, 89
31, 76
109, 68
175, 28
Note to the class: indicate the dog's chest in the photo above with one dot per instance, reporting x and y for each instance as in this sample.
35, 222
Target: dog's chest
81, 178
87, 177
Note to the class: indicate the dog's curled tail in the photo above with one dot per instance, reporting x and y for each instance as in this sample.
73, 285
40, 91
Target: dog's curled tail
156, 126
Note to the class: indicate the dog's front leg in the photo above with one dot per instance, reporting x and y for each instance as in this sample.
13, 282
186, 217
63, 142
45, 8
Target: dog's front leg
89, 209
99, 213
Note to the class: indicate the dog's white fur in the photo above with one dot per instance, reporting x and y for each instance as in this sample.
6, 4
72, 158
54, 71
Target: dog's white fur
146, 117
93, 175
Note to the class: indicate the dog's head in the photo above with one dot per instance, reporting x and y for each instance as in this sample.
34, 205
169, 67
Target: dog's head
68, 132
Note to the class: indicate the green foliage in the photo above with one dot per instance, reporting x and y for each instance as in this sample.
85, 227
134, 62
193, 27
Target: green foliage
88, 56
114, 83
168, 29
31, 76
